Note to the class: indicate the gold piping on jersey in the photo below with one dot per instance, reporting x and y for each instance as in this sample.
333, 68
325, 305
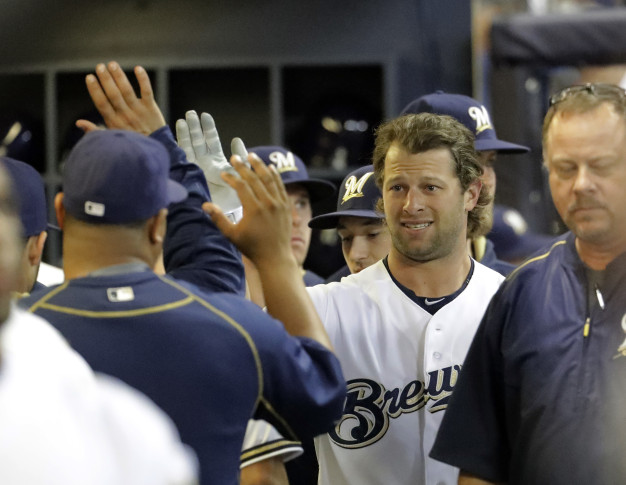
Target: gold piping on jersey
537, 258
117, 313
47, 296
260, 399
190, 298
229, 319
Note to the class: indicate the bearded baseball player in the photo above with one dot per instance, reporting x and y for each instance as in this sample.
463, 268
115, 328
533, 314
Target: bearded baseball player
475, 118
402, 327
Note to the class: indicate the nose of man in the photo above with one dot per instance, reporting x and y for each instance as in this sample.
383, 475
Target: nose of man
412, 202
583, 181
358, 250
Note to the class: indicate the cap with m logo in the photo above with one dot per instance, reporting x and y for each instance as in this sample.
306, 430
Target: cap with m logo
358, 195
468, 111
292, 170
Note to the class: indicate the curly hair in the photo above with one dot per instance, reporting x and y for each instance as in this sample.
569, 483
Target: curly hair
418, 133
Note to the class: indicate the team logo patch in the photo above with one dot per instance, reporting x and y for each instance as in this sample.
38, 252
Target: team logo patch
354, 186
481, 117
621, 350
284, 162
116, 295
370, 407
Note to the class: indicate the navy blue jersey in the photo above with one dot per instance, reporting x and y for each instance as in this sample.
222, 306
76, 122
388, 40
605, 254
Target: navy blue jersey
210, 360
540, 397
490, 260
207, 362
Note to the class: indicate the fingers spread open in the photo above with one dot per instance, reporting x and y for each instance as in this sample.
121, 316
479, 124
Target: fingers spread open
195, 131
211, 136
184, 139
123, 85
238, 148
99, 98
272, 183
145, 86
110, 88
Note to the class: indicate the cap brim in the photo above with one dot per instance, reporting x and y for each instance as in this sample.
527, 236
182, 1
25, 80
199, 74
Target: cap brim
499, 146
175, 192
318, 189
331, 220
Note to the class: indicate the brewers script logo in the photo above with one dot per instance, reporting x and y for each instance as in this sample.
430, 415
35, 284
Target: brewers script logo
354, 187
481, 117
284, 162
369, 406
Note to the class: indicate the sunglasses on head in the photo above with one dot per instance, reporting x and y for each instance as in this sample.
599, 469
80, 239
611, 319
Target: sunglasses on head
595, 89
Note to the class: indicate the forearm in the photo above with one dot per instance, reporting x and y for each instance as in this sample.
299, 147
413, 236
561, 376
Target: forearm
287, 300
270, 471
195, 250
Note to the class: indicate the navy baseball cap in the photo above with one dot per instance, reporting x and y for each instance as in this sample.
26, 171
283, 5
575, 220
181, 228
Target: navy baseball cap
468, 111
358, 195
511, 237
293, 171
118, 177
28, 189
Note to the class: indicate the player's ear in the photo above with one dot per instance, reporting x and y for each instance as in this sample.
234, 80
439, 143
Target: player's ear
157, 227
34, 247
59, 209
472, 193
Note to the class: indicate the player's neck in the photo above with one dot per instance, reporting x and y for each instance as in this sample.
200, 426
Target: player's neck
81, 258
598, 256
433, 279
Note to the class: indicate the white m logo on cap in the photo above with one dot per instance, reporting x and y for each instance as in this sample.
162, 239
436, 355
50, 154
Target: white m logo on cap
354, 187
482, 118
283, 162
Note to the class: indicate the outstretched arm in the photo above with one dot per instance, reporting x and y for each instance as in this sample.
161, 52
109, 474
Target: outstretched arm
194, 250
263, 235
199, 138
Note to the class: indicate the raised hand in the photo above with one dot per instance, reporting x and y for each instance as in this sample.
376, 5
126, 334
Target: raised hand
115, 99
264, 232
199, 139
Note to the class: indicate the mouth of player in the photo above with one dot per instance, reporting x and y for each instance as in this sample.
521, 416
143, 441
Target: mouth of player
416, 226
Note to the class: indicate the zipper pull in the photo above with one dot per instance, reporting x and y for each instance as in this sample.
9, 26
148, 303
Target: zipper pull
587, 327
599, 297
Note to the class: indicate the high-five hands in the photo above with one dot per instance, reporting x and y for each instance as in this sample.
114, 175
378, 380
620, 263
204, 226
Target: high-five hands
115, 99
264, 232
199, 139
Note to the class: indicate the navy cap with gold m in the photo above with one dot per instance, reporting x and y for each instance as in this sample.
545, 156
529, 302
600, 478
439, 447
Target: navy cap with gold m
358, 195
292, 170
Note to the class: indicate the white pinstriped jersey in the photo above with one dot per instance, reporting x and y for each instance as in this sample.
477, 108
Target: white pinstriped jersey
401, 364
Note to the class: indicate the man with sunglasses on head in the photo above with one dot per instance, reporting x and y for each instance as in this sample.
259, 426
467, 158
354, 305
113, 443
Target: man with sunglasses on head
541, 395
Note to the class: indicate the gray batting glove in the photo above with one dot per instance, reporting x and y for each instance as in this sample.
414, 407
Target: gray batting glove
201, 143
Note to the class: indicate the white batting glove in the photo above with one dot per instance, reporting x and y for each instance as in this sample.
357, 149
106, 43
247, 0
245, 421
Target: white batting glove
201, 143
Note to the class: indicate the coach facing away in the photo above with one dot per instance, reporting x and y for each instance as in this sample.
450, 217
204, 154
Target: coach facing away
209, 360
